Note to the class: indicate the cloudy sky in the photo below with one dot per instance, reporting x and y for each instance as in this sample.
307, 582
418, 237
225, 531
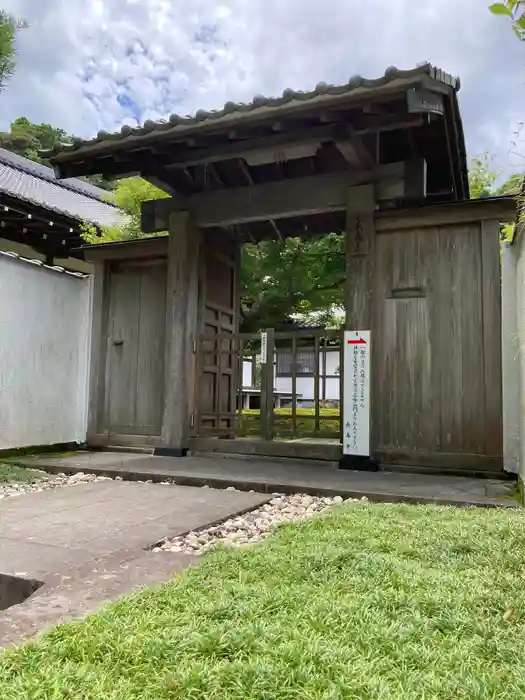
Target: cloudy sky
86, 65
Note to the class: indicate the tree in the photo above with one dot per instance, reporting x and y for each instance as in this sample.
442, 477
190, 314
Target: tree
513, 10
28, 140
481, 177
293, 277
9, 27
512, 185
128, 195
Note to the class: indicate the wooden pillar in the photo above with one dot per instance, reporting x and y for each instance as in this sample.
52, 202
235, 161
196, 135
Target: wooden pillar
98, 351
492, 354
360, 248
182, 325
360, 251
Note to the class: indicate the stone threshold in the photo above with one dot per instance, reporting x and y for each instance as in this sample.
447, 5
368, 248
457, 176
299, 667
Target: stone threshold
278, 477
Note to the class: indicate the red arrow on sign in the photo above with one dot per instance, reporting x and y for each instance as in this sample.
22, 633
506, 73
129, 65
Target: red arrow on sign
361, 341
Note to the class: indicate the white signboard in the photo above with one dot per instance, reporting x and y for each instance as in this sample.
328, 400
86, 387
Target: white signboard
356, 393
264, 348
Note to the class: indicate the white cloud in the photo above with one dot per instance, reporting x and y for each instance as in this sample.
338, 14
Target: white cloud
87, 65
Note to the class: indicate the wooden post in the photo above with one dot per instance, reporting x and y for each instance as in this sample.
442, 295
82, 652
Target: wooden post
492, 355
98, 351
267, 370
360, 251
360, 248
182, 318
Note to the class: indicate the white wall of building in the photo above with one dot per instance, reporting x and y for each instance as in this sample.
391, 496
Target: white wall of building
45, 322
305, 385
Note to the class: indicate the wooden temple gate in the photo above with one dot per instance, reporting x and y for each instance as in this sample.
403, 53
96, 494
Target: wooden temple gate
383, 163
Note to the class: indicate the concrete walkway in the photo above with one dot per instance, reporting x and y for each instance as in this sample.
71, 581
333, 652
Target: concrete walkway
46, 532
288, 476
87, 543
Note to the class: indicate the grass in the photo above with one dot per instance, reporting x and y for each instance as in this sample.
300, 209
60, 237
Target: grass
249, 423
14, 473
371, 602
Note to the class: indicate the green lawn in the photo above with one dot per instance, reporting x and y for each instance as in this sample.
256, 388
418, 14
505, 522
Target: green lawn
13, 473
382, 602
249, 423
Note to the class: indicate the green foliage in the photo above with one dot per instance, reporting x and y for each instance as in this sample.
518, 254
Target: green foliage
13, 473
128, 195
513, 10
9, 26
28, 140
291, 277
481, 177
512, 185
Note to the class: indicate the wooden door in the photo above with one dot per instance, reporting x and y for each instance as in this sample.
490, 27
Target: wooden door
218, 361
135, 351
437, 348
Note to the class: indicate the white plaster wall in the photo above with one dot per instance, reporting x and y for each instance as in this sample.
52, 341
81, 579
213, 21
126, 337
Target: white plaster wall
45, 322
305, 385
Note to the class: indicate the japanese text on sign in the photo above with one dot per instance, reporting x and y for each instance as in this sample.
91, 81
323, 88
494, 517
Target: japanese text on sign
356, 393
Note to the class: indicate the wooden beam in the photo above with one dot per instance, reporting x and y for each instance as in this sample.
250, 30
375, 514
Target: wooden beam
360, 243
503, 209
282, 199
179, 157
246, 172
354, 150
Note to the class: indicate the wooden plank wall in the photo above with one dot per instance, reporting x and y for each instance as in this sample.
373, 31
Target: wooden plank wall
134, 367
437, 347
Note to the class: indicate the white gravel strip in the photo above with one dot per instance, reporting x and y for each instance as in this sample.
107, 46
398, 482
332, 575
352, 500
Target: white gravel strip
50, 483
253, 526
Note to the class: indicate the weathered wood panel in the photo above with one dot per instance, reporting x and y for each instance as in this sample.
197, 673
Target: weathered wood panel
217, 358
121, 366
402, 357
181, 327
436, 369
135, 349
492, 351
149, 397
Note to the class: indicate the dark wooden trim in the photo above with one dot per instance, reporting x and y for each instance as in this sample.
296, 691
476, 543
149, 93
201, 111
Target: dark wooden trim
170, 451
438, 460
471, 210
115, 440
268, 448
156, 246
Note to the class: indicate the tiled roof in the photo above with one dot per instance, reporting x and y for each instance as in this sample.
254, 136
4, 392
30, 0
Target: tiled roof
39, 263
260, 103
36, 184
